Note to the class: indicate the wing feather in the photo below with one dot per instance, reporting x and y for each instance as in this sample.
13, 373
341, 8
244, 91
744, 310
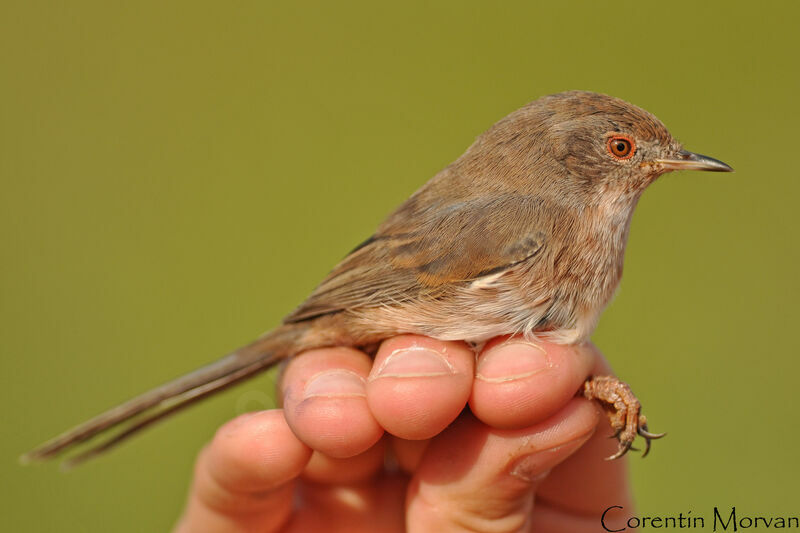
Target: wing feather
422, 254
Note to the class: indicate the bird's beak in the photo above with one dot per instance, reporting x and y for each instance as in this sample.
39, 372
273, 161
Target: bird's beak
691, 161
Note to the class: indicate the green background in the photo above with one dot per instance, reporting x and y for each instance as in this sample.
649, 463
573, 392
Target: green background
176, 177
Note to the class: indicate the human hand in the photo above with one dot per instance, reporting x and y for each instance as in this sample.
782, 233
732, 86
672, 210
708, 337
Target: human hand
385, 446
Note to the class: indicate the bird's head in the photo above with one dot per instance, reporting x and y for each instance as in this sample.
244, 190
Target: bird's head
606, 141
588, 144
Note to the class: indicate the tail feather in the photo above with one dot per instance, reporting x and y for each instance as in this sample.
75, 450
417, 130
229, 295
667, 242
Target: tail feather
172, 406
169, 398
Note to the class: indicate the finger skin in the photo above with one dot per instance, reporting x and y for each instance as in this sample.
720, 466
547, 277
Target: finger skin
324, 398
360, 468
476, 478
519, 383
586, 484
408, 453
244, 479
419, 385
471, 477
363, 508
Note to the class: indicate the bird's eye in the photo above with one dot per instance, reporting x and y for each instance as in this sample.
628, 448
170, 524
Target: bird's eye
621, 147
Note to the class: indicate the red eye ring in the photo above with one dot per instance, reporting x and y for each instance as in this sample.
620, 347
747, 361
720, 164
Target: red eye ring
621, 147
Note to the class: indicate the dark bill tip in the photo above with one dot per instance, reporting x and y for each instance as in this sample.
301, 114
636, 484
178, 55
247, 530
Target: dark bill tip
692, 161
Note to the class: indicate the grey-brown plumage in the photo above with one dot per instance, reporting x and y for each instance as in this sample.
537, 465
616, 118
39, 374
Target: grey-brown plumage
524, 233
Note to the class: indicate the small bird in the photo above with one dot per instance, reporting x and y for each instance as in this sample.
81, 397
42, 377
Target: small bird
525, 234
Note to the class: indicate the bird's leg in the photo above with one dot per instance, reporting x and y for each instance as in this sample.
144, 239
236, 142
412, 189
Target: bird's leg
623, 411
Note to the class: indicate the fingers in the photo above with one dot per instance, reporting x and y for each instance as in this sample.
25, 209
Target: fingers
325, 401
323, 469
586, 484
362, 508
518, 383
244, 478
476, 478
418, 385
408, 453
471, 476
338, 401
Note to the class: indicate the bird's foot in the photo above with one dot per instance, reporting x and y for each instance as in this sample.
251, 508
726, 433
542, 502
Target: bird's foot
623, 410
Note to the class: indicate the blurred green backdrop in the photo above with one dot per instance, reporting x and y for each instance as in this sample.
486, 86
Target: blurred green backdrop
177, 176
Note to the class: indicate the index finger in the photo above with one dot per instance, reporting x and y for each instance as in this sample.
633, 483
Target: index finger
244, 479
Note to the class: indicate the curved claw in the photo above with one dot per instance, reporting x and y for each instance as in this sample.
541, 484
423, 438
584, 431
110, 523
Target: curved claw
622, 450
646, 447
647, 435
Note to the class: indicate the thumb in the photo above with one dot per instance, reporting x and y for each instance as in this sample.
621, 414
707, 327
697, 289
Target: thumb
480, 479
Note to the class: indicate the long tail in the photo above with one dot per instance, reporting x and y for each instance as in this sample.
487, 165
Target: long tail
144, 410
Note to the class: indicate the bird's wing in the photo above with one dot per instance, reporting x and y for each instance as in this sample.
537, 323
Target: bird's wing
420, 255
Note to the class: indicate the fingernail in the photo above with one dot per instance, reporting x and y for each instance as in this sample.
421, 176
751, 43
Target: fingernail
535, 467
510, 361
415, 361
339, 383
